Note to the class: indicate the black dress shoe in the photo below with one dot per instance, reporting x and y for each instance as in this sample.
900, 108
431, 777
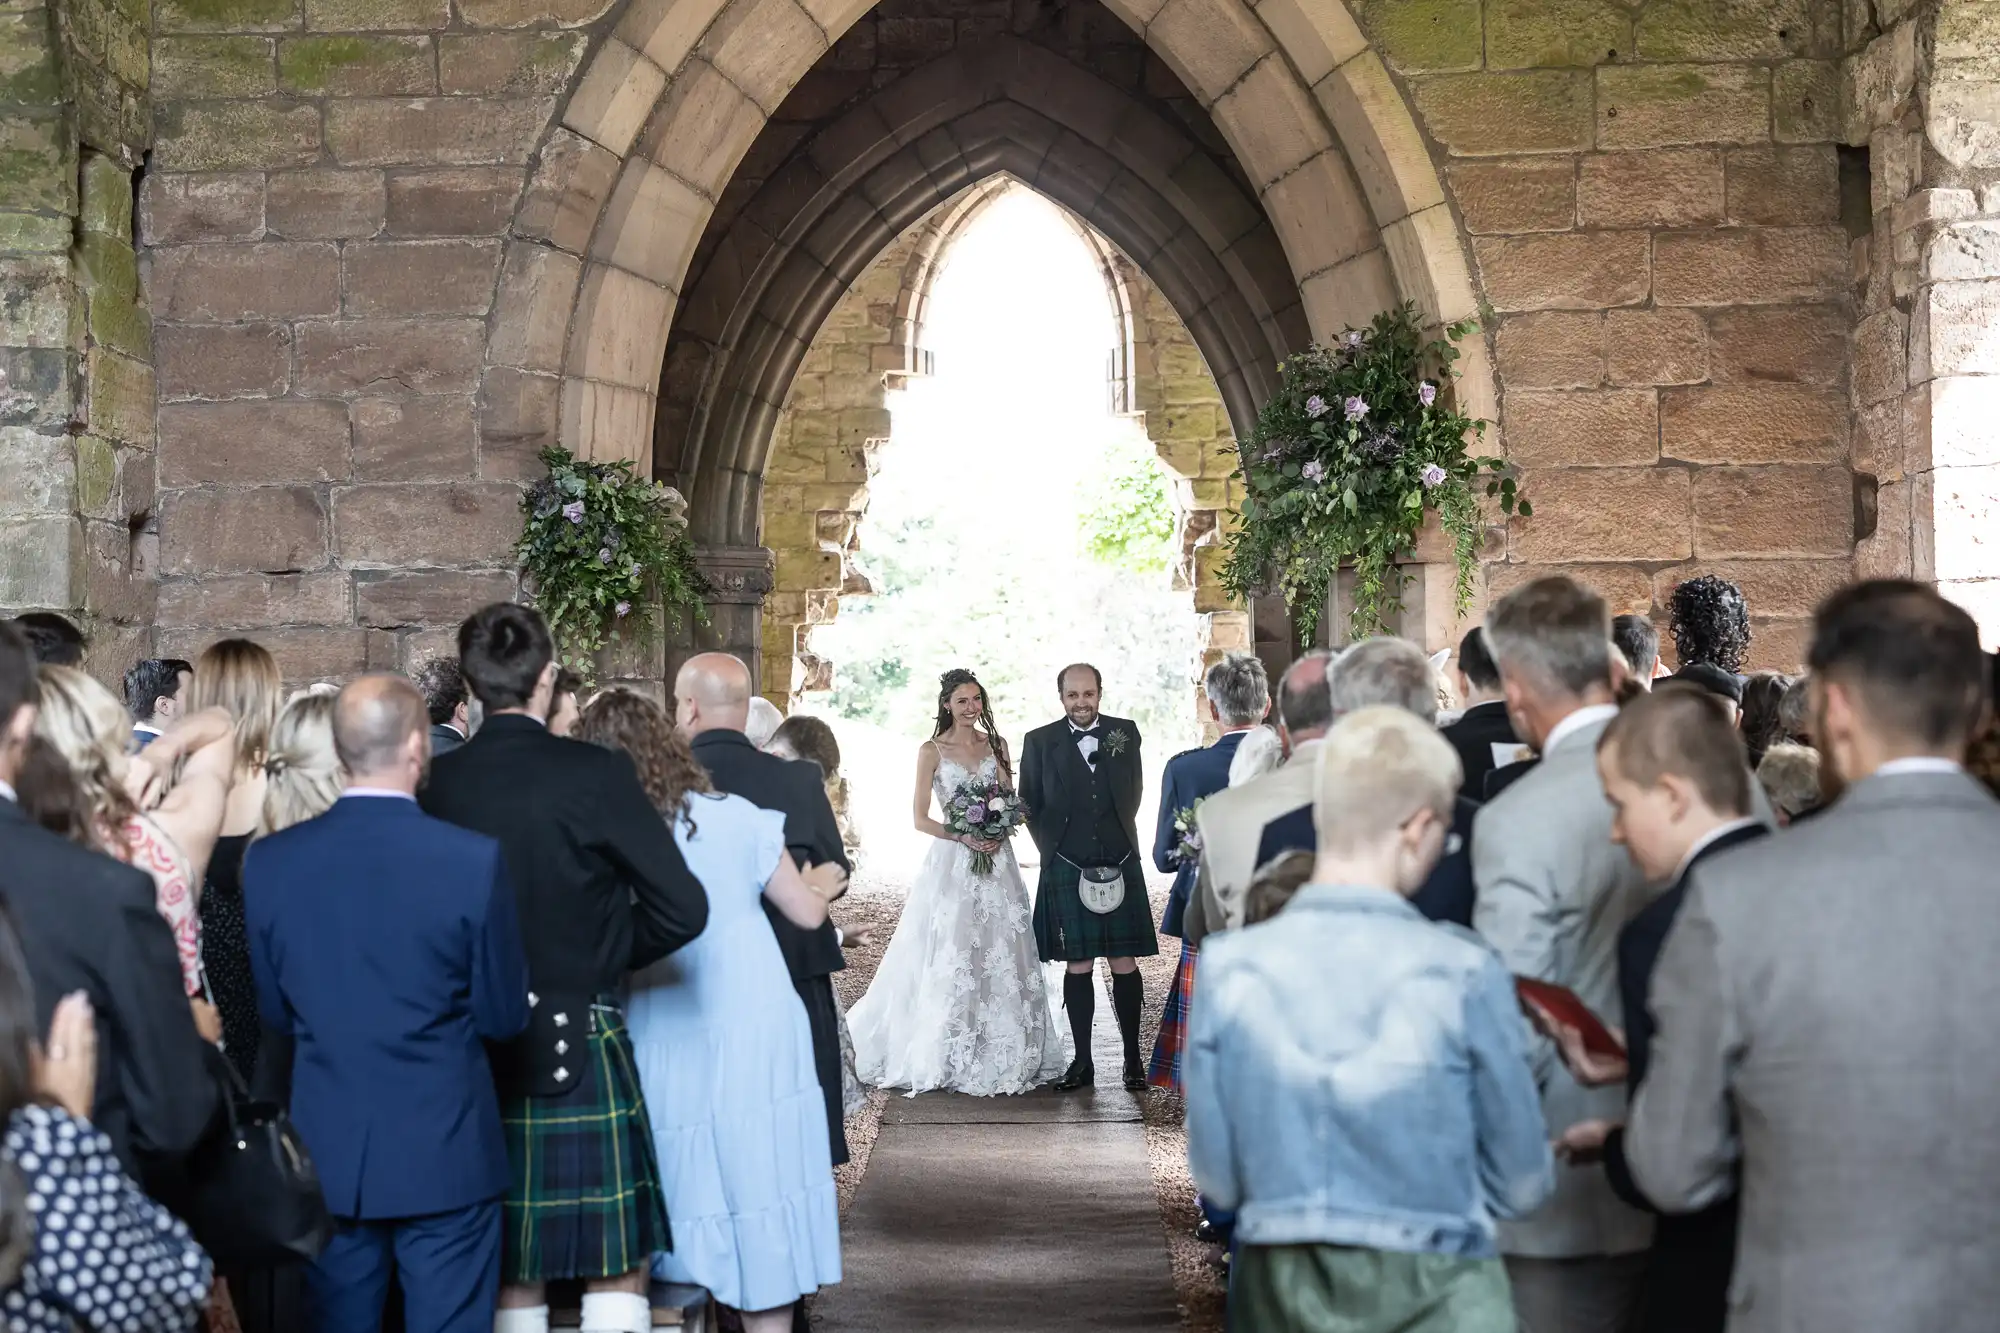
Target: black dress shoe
1081, 1074
1135, 1075
1207, 1232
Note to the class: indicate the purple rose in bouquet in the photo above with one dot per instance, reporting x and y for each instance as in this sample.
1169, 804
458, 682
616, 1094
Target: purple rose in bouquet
985, 809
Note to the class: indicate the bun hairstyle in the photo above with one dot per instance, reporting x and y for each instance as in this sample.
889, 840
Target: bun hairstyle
949, 684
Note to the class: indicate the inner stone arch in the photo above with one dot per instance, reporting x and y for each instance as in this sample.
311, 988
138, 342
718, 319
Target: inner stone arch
837, 417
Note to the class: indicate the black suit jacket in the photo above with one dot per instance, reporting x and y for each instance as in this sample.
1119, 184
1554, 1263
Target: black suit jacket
444, 739
796, 787
1505, 776
600, 885
1474, 735
91, 924
1446, 896
1053, 771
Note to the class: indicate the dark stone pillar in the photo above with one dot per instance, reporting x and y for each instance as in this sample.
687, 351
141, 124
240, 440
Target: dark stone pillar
742, 576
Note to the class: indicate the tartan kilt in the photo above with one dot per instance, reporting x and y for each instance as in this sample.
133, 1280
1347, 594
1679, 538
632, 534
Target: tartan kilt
1067, 931
1165, 1071
584, 1200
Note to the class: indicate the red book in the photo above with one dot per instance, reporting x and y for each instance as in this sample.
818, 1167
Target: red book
1562, 1004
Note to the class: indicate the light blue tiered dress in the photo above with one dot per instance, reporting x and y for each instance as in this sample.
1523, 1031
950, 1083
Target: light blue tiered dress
726, 1061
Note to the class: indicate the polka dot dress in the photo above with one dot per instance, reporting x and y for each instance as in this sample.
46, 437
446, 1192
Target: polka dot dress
106, 1257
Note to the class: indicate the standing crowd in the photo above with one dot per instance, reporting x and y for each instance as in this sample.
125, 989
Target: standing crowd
541, 988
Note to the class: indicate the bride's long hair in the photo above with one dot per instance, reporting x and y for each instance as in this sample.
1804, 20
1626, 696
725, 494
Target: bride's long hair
948, 685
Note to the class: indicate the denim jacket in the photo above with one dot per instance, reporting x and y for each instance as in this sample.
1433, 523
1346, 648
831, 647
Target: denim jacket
1357, 1075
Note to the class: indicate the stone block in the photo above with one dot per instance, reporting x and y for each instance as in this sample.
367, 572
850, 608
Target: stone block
443, 131
1491, 115
571, 180
226, 15
1599, 514
463, 201
325, 204
526, 62
801, 571
120, 394
1674, 187
1750, 266
189, 67
532, 13
253, 443
1516, 195
1881, 357
1527, 34
1626, 589
1784, 187
441, 597
1797, 511
703, 128
96, 474
1962, 252
652, 224
1796, 344
40, 308
402, 525
1779, 645
41, 561
345, 65
537, 293
1966, 522
1727, 30
305, 654
31, 232
1805, 102
618, 90
1607, 428
201, 208
389, 356
1551, 350
620, 328
518, 418
392, 278
267, 280
1777, 588
1655, 347
414, 439
1427, 36
272, 529
1949, 422
258, 601
41, 162
378, 15
37, 387
1878, 83
236, 136
1765, 423
1578, 271
37, 473
1951, 330
1655, 106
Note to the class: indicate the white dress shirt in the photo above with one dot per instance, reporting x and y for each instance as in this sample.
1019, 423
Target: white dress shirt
1575, 722
7, 792
1086, 741
1916, 763
376, 791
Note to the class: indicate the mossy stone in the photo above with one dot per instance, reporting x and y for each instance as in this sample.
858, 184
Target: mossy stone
1727, 30
356, 65
96, 474
1425, 36
214, 67
1527, 34
34, 233
107, 197
28, 69
227, 15
38, 162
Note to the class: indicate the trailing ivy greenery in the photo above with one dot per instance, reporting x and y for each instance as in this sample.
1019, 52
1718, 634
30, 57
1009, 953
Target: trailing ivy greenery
1357, 446
600, 550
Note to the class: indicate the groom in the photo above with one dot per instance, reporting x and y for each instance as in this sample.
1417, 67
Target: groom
1081, 780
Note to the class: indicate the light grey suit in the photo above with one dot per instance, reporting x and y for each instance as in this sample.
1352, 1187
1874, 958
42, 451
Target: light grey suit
1554, 891
1231, 824
1832, 995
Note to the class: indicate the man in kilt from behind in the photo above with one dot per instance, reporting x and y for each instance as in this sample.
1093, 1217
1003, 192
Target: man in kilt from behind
601, 888
1081, 779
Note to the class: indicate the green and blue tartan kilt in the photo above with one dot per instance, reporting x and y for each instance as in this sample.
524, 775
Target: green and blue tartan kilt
1067, 931
585, 1200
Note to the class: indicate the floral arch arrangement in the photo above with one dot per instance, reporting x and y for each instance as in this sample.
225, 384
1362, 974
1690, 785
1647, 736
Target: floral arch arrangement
600, 550
1357, 446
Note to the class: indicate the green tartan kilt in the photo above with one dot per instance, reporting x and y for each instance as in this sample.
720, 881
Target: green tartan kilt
585, 1199
1067, 931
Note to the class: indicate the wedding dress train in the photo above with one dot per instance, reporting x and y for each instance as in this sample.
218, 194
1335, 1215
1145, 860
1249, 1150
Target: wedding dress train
961, 1001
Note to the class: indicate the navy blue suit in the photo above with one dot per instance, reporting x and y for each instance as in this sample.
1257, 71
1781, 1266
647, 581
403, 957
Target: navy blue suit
1446, 896
1189, 776
387, 944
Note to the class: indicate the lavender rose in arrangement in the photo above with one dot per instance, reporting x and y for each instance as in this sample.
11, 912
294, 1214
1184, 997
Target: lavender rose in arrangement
986, 809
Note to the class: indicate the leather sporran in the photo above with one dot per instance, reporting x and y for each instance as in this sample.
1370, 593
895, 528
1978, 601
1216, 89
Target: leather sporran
1102, 888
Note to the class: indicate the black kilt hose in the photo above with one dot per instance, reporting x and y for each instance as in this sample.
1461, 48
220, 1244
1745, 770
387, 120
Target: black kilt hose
1067, 931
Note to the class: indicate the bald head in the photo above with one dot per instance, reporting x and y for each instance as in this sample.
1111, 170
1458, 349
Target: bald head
712, 693
1305, 699
381, 731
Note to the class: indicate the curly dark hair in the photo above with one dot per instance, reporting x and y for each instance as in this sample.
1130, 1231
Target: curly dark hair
668, 770
1710, 623
949, 684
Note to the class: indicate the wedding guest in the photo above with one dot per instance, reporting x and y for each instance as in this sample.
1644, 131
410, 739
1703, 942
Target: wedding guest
1722, 686
1483, 735
1982, 753
1790, 777
763, 722
89, 923
104, 1256
241, 678
1794, 711
153, 690
1238, 696
446, 702
1553, 892
1824, 1003
1710, 623
724, 1047
600, 888
1231, 822
712, 708
1673, 771
1261, 751
804, 737
564, 707
1393, 673
303, 776
1759, 718
52, 638
391, 1089
1638, 645
1366, 1180
1275, 884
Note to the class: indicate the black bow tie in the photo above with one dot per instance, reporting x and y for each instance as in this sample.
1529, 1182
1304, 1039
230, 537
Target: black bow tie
1090, 730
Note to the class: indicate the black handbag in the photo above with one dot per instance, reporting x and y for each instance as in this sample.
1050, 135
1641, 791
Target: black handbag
254, 1199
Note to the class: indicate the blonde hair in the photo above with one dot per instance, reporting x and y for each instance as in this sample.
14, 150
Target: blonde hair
89, 728
241, 678
1378, 767
302, 773
1789, 775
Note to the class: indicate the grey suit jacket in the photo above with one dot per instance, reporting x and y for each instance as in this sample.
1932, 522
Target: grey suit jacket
1826, 1006
1231, 824
1553, 893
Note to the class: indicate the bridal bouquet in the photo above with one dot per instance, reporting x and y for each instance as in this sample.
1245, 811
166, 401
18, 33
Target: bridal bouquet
983, 808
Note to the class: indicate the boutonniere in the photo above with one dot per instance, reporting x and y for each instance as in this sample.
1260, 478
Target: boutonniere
1116, 741
1187, 835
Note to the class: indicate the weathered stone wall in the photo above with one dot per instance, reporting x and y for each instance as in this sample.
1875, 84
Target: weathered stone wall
1653, 199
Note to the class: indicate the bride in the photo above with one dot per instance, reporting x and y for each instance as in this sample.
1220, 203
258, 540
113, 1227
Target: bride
960, 1001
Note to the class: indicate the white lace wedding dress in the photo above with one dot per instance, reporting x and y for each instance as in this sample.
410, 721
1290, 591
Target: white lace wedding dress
961, 1000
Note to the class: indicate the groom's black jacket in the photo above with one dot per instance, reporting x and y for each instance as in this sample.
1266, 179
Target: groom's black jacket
1055, 781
